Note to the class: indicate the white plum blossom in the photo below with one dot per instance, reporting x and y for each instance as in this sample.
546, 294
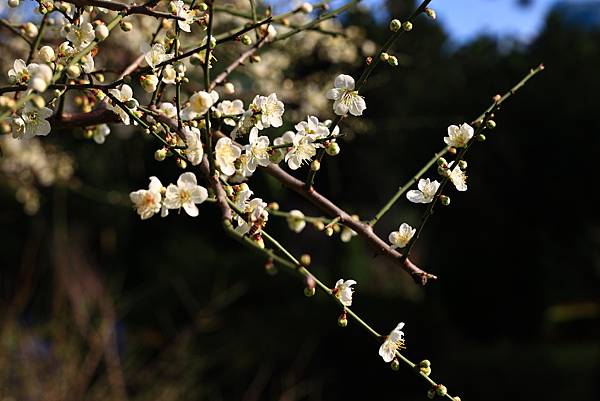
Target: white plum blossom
156, 54
269, 111
296, 220
256, 214
168, 109
182, 10
302, 149
87, 63
46, 54
393, 342
200, 103
19, 74
458, 137
312, 127
32, 121
400, 238
230, 108
169, 75
343, 291
346, 99
147, 202
125, 95
81, 36
194, 151
425, 193
100, 132
458, 177
186, 194
241, 196
226, 154
257, 150
41, 76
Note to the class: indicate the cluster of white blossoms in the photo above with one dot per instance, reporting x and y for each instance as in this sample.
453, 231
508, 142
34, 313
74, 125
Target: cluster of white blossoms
185, 194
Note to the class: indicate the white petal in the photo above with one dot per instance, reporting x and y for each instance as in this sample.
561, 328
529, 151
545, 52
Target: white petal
344, 81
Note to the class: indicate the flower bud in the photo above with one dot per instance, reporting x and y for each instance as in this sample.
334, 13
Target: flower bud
452, 150
442, 162
182, 164
306, 8
202, 7
126, 26
255, 58
462, 164
431, 394
393, 61
395, 365
407, 26
430, 13
46, 54
30, 30
172, 7
481, 137
490, 124
270, 268
329, 231
246, 40
130, 104
343, 320
160, 154
315, 165
13, 3
333, 149
305, 259
319, 225
456, 398
309, 292
229, 88
441, 390
384, 56
443, 171
73, 71
445, 200
88, 133
425, 370
425, 363
395, 25
101, 31
149, 82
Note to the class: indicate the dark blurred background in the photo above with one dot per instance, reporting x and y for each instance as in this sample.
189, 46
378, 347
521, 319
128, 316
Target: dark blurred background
98, 304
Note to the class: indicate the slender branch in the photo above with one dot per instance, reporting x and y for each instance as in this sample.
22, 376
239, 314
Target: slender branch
406, 186
310, 179
482, 122
144, 9
38, 39
208, 138
14, 30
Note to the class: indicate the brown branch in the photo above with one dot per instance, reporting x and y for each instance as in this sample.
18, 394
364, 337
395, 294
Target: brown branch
71, 120
144, 9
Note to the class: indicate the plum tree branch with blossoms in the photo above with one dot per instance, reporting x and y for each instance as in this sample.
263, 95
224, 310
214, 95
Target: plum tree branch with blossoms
225, 142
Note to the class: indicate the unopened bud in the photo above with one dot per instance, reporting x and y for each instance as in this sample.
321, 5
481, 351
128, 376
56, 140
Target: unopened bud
73, 71
202, 7
270, 268
306, 8
393, 61
431, 394
319, 225
395, 25
443, 171
329, 231
426, 371
131, 103
425, 363
273, 206
246, 40
395, 365
305, 259
13, 3
441, 390
442, 162
333, 149
481, 137
182, 164
126, 26
490, 124
309, 292
255, 59
456, 398
462, 164
229, 88
445, 200
452, 150
343, 320
430, 13
160, 154
46, 54
384, 56
31, 30
407, 26
101, 31
315, 165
